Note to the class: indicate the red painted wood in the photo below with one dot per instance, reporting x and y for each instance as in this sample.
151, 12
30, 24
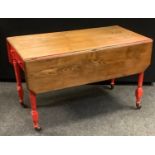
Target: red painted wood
34, 113
18, 82
13, 55
16, 61
113, 82
18, 64
9, 53
139, 90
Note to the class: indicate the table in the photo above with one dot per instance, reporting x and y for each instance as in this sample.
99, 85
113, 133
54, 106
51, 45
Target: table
53, 61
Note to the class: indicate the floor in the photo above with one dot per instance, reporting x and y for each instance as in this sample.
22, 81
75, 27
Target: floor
85, 110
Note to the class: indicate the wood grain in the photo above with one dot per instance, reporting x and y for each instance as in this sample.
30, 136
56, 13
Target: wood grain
67, 42
90, 66
64, 59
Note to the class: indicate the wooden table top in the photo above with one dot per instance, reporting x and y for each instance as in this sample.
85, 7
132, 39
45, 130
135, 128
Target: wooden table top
67, 42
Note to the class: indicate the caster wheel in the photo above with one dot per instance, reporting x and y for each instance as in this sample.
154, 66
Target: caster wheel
111, 87
23, 105
138, 106
38, 129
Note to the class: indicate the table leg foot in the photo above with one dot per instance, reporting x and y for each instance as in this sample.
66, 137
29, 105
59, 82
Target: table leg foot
34, 113
38, 128
112, 85
138, 106
139, 91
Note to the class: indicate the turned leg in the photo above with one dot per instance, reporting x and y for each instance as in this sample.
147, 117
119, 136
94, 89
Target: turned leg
34, 112
112, 84
19, 84
139, 90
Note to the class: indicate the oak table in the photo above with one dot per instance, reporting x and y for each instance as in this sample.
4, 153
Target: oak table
59, 60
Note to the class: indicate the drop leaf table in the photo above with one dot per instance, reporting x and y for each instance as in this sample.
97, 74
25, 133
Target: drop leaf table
59, 60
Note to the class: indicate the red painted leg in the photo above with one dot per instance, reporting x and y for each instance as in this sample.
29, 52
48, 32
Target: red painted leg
112, 83
139, 90
34, 112
19, 84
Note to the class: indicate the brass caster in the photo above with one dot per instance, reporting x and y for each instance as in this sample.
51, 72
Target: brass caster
138, 106
38, 129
